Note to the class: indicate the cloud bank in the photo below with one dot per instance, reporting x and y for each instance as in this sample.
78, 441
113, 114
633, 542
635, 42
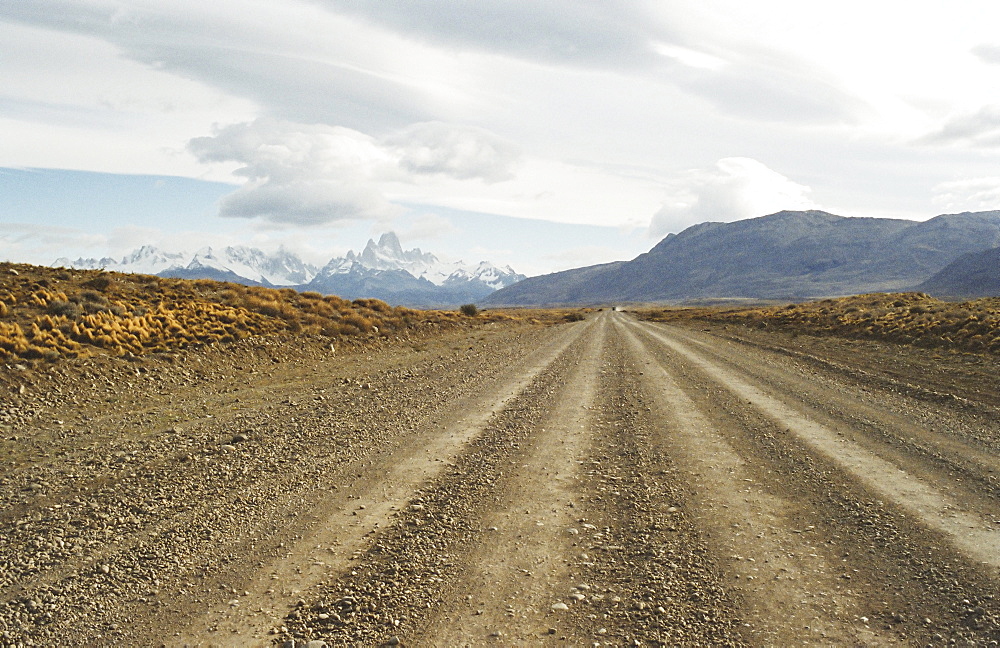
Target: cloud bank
460, 152
980, 129
732, 189
970, 194
312, 174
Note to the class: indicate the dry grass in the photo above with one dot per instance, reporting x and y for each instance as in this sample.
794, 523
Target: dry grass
906, 318
53, 313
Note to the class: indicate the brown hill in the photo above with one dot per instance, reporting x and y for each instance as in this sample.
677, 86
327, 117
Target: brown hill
50, 313
976, 274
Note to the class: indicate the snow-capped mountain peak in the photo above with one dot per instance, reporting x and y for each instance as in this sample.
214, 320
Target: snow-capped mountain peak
383, 270
231, 263
145, 260
388, 254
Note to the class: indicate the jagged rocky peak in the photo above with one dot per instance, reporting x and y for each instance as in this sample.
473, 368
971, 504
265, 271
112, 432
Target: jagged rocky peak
388, 254
383, 270
390, 242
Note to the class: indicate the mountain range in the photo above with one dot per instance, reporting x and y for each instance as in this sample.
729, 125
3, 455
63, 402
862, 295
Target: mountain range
789, 255
383, 270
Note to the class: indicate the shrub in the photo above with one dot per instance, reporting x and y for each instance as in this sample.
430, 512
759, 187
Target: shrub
469, 310
358, 321
100, 282
65, 308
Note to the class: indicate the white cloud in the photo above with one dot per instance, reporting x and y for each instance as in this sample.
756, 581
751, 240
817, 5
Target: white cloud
969, 194
304, 174
733, 189
980, 129
987, 53
71, 101
310, 174
461, 152
41, 245
606, 34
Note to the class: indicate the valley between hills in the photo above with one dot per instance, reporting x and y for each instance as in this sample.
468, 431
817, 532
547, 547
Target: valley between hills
572, 478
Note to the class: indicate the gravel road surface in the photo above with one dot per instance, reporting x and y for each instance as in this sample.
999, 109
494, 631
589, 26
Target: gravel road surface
609, 482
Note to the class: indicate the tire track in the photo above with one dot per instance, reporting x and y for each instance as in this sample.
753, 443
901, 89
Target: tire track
513, 580
909, 579
344, 526
414, 566
972, 533
934, 441
192, 522
751, 526
656, 581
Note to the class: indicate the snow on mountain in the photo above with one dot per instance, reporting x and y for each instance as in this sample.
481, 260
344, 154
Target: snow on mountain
383, 270
231, 263
149, 260
279, 269
145, 260
487, 273
388, 254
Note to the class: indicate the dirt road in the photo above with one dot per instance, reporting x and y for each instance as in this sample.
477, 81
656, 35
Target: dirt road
606, 482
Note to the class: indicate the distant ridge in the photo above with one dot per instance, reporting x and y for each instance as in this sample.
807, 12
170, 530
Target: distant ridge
788, 255
383, 270
976, 274
238, 264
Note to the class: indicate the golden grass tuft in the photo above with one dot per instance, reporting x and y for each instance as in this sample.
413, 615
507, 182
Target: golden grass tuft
47, 314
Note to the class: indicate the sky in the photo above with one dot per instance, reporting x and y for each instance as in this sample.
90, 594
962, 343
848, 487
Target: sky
541, 135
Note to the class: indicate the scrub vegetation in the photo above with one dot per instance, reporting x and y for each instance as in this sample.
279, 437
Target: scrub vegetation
907, 318
51, 313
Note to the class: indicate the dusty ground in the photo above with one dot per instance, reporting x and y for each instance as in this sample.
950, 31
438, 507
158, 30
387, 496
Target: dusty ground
605, 482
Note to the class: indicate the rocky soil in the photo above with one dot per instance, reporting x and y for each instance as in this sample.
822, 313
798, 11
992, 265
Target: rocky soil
604, 482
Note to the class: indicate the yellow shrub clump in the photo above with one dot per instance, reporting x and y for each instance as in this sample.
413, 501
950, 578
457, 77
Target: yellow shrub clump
48, 313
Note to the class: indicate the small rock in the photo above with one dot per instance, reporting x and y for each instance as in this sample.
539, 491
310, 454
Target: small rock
393, 641
560, 607
317, 643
